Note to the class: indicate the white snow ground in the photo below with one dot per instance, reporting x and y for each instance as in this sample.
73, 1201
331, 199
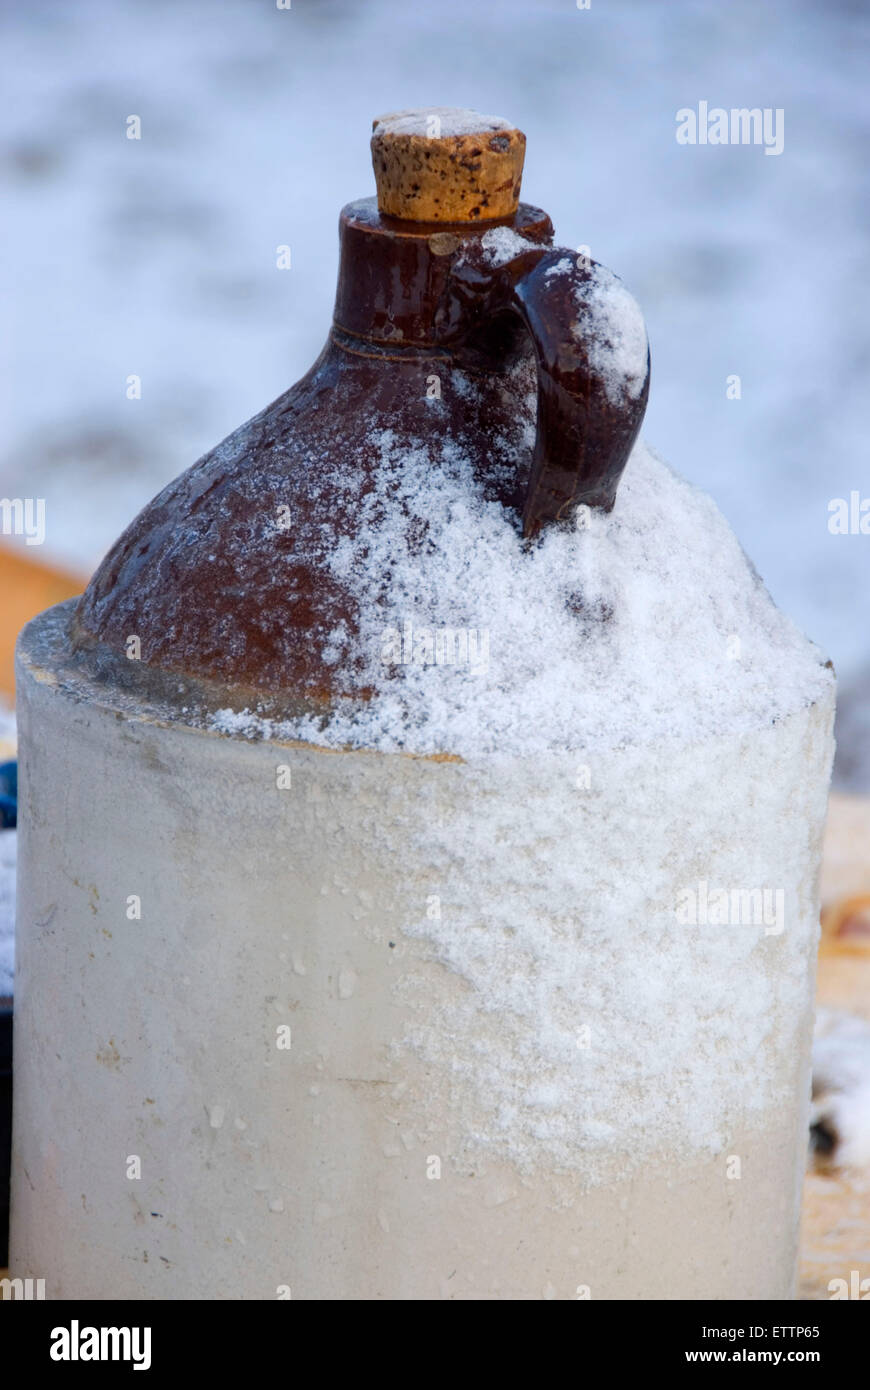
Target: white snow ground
841, 1086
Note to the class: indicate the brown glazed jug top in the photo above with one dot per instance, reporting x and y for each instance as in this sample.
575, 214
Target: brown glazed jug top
224, 576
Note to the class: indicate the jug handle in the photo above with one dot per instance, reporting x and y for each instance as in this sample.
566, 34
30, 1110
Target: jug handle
587, 420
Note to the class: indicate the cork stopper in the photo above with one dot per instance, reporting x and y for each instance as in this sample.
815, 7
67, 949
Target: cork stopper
443, 164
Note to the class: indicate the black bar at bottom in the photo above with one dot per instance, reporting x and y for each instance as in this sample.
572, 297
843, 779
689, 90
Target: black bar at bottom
256, 1339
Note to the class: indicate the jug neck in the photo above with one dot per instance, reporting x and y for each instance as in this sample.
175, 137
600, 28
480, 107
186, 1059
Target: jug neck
394, 275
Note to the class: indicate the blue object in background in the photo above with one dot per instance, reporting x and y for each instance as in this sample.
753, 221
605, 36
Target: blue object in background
8, 795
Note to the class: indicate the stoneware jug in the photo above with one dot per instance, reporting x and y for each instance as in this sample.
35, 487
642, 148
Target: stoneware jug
420, 820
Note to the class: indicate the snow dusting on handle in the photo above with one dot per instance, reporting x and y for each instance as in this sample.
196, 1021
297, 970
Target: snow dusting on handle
611, 325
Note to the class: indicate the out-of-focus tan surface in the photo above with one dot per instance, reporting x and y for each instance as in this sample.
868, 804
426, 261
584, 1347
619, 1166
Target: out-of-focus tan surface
28, 586
836, 1209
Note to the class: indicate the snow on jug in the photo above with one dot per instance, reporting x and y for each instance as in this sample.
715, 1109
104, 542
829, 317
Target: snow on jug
420, 821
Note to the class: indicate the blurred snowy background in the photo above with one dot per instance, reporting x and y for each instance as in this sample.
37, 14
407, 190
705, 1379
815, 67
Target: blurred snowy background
157, 257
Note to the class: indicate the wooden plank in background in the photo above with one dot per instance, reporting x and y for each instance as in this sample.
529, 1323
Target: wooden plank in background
27, 586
